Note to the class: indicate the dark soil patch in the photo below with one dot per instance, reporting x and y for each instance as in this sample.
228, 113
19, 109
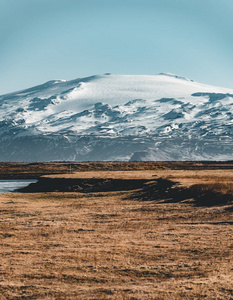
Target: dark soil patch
170, 192
82, 185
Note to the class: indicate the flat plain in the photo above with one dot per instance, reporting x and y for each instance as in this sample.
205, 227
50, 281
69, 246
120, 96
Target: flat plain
123, 231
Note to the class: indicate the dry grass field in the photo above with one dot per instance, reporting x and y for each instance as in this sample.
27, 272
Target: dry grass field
10, 170
162, 240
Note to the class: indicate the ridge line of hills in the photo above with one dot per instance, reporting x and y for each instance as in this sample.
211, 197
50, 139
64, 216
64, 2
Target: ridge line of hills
117, 117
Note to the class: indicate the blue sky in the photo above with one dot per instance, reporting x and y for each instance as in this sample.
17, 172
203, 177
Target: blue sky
41, 40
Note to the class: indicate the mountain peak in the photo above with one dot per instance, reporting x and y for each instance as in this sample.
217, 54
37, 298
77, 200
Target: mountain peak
175, 76
112, 117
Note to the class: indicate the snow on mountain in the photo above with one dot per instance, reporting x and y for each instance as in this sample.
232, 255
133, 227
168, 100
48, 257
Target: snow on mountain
117, 117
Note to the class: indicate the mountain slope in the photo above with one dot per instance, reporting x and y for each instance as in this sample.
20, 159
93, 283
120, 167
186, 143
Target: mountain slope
117, 117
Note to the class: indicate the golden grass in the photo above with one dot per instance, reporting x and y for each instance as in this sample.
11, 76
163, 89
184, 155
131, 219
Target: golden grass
179, 175
142, 174
11, 170
219, 180
28, 170
105, 246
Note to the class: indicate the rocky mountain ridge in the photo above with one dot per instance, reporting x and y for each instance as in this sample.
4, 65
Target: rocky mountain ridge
117, 117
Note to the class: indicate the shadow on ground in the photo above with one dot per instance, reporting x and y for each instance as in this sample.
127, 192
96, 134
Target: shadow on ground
160, 190
169, 192
83, 185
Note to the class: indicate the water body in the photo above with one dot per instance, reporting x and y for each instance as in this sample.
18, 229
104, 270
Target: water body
7, 186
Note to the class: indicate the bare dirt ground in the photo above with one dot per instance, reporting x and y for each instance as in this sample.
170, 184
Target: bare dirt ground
159, 241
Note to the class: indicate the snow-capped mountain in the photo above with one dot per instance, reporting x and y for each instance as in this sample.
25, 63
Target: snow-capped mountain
117, 117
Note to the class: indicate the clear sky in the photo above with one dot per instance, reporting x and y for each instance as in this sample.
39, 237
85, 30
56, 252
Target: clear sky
41, 40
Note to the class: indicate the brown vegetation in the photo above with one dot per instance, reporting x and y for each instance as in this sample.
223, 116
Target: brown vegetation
9, 170
37, 169
161, 240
